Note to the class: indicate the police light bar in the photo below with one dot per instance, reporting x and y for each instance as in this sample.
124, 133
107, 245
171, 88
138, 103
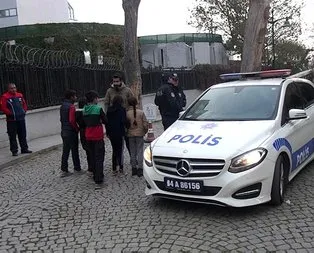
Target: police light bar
259, 74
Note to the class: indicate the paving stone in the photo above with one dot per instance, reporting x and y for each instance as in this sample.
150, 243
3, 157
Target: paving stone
39, 211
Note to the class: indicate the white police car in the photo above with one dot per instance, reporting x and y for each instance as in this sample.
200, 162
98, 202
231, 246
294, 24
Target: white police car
238, 144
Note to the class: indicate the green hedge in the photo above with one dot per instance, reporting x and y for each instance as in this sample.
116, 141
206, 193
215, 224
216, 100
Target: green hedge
56, 29
97, 38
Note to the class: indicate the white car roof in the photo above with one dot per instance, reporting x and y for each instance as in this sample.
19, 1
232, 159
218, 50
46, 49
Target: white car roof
244, 82
265, 81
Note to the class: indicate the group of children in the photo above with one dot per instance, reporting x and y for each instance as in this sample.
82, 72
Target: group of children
93, 125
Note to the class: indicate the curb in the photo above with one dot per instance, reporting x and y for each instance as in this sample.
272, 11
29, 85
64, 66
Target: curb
28, 156
25, 157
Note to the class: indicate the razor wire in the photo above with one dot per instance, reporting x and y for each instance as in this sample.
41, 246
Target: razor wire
52, 59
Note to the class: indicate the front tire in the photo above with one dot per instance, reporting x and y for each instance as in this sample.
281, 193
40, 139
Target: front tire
279, 182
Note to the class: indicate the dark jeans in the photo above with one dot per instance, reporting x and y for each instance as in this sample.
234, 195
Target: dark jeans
117, 151
136, 151
17, 128
167, 121
97, 157
85, 147
70, 143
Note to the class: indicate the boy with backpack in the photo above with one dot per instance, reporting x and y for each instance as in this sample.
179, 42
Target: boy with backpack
82, 127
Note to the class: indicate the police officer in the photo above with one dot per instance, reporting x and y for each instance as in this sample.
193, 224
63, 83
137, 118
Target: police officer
170, 100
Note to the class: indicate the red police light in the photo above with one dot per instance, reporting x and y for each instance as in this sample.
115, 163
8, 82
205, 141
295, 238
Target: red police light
260, 74
275, 73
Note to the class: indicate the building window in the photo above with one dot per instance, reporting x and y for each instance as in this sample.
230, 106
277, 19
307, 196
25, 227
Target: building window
12, 12
8, 13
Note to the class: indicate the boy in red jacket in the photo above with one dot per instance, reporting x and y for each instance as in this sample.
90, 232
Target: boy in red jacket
14, 107
69, 132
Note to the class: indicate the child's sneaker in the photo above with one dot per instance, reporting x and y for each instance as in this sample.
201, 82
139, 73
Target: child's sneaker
134, 171
99, 185
122, 172
114, 172
140, 172
65, 173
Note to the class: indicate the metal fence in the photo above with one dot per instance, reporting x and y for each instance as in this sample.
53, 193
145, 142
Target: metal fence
43, 75
188, 38
44, 87
152, 80
53, 59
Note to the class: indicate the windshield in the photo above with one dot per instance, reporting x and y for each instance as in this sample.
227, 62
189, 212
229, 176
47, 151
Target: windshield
234, 103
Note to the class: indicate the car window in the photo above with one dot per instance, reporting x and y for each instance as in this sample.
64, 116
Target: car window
250, 102
307, 92
293, 100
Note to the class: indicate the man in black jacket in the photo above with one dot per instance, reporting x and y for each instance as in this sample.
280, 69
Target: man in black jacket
170, 100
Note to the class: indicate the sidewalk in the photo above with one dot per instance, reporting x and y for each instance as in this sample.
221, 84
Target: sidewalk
38, 146
45, 144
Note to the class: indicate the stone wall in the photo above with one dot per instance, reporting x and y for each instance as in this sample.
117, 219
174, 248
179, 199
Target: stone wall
46, 121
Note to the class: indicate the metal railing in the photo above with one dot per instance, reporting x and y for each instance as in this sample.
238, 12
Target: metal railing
187, 38
43, 75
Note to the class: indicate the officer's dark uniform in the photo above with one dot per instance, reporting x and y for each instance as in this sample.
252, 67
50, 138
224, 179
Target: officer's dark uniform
170, 100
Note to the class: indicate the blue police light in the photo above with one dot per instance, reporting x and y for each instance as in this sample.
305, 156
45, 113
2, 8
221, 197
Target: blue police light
259, 74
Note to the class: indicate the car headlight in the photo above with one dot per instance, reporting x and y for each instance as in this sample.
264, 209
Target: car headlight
247, 160
148, 156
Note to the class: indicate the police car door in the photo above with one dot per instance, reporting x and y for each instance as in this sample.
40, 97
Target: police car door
298, 132
307, 93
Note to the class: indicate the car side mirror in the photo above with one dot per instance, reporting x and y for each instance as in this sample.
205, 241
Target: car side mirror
297, 114
181, 113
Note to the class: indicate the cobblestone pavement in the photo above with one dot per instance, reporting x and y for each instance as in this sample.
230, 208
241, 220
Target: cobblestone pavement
39, 211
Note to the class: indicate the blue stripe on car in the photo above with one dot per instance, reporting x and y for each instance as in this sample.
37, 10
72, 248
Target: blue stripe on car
300, 155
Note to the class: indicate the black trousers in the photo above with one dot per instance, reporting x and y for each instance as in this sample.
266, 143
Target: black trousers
85, 147
70, 143
97, 157
17, 128
167, 121
117, 151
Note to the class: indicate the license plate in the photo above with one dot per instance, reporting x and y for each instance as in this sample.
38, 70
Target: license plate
183, 185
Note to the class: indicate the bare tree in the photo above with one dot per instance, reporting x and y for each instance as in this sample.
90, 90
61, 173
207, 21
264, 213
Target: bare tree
254, 37
230, 16
131, 62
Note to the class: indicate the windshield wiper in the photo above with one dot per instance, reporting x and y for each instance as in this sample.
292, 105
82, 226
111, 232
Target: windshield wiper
190, 119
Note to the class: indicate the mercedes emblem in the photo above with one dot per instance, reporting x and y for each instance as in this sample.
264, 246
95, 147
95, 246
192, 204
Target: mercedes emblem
183, 168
